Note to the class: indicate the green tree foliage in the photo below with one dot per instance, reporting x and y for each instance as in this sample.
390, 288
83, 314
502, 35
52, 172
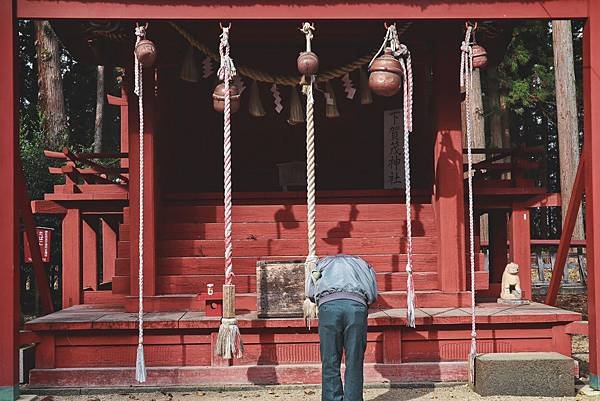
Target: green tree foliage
528, 89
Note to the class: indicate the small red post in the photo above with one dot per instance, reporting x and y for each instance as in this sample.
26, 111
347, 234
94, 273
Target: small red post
520, 246
109, 249
9, 226
72, 279
90, 255
566, 235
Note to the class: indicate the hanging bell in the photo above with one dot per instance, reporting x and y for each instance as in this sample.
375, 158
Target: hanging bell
189, 69
331, 110
296, 111
219, 98
255, 106
385, 77
145, 52
308, 63
366, 96
480, 59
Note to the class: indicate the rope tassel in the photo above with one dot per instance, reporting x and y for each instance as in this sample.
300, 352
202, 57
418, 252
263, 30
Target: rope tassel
229, 340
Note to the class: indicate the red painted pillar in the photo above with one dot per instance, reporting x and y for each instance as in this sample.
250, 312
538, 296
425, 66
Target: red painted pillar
591, 88
149, 186
520, 246
448, 159
9, 262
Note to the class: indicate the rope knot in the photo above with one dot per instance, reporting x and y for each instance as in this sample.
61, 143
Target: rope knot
140, 31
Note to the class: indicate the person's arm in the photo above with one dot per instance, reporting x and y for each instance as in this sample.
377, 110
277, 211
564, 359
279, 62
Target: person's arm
310, 288
373, 293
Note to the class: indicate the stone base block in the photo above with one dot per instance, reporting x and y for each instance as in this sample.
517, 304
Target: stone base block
547, 374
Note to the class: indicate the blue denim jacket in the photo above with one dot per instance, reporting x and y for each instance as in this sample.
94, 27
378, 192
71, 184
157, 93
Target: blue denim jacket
342, 274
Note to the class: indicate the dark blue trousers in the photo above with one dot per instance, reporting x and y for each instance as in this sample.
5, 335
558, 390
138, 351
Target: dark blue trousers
342, 329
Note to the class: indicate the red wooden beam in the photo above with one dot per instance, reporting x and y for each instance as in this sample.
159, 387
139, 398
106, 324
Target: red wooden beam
591, 88
448, 165
334, 9
566, 235
109, 248
9, 225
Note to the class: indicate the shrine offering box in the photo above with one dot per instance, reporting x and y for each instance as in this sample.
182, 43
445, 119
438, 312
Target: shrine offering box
279, 288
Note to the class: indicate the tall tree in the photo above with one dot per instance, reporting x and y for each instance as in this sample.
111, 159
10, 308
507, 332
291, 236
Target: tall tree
566, 110
99, 110
51, 96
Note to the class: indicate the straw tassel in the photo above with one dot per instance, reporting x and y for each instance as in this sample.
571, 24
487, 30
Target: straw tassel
140, 365
255, 106
189, 69
331, 110
229, 340
296, 111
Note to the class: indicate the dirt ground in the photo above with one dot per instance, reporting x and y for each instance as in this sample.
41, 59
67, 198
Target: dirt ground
458, 392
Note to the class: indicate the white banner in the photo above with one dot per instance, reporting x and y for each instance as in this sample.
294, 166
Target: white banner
393, 149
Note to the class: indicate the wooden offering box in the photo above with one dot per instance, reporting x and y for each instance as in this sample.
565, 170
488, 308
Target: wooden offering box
280, 288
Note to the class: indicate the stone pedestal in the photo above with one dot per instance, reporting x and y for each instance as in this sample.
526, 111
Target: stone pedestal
541, 374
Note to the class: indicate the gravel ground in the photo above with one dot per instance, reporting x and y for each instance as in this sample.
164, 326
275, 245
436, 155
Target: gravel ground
445, 393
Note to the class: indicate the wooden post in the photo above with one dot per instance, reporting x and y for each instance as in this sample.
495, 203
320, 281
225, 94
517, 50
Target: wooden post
9, 262
90, 255
591, 87
498, 244
72, 280
448, 165
109, 249
520, 246
149, 186
566, 235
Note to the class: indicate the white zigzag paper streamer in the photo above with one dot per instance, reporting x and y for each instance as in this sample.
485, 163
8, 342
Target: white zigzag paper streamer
239, 82
276, 98
207, 68
348, 86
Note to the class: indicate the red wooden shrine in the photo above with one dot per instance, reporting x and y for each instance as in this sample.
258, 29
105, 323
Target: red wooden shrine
92, 341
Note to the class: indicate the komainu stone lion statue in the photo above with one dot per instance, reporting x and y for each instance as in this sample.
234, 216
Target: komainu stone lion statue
511, 284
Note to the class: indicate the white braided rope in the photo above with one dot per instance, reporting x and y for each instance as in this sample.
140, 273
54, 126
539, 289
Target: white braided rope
311, 218
466, 80
226, 73
140, 33
407, 108
401, 52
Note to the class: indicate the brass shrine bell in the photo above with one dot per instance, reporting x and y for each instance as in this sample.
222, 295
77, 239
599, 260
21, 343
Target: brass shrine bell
219, 98
480, 59
308, 63
145, 51
386, 75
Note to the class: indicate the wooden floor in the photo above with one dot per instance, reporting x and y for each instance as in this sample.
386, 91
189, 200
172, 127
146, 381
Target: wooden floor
95, 345
101, 317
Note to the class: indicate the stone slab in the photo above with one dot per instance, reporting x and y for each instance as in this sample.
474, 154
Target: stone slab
548, 374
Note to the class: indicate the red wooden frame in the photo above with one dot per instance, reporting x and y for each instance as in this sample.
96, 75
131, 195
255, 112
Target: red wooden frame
9, 262
183, 9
